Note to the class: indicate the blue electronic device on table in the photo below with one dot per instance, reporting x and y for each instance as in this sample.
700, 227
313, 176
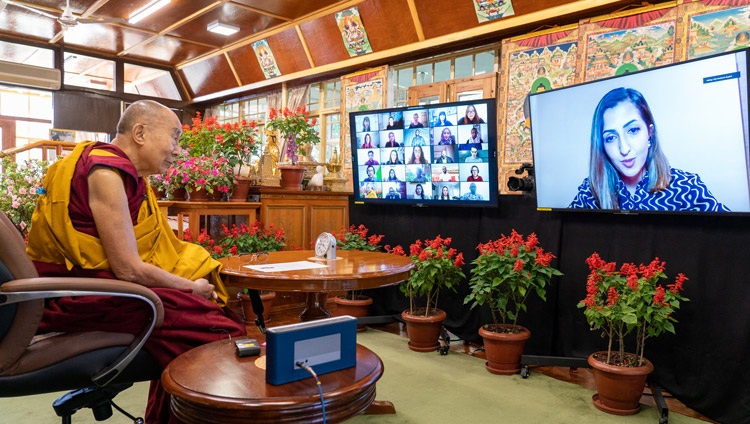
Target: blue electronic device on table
325, 345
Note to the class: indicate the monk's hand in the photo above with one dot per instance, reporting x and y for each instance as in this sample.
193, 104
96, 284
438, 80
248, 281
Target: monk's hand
204, 289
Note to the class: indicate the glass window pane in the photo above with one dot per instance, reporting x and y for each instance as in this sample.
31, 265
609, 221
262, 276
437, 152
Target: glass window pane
443, 70
405, 78
424, 74
152, 82
89, 72
464, 66
313, 101
484, 63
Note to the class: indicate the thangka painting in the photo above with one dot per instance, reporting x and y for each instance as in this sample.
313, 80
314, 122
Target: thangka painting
353, 32
715, 27
628, 43
265, 59
363, 90
542, 61
490, 10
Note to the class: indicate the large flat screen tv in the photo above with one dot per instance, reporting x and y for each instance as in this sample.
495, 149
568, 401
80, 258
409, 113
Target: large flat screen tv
439, 154
668, 139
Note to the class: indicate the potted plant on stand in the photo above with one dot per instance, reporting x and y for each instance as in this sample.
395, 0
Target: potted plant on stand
437, 266
506, 272
299, 134
237, 142
354, 303
620, 303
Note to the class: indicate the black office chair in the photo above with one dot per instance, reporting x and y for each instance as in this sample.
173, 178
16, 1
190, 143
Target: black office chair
95, 366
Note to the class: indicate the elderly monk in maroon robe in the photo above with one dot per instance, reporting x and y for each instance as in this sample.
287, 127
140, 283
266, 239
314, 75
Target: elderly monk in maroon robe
100, 218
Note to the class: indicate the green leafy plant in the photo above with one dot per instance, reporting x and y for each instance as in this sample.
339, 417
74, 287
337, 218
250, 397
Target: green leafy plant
436, 266
298, 130
631, 299
20, 187
505, 273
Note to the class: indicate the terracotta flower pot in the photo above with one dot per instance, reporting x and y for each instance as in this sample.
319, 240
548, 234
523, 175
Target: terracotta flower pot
247, 306
357, 307
240, 190
424, 331
292, 176
503, 350
619, 389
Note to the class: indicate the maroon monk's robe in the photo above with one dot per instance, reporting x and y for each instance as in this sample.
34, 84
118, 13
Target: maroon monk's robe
189, 320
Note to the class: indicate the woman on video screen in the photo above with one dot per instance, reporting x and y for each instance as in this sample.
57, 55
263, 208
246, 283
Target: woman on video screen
628, 170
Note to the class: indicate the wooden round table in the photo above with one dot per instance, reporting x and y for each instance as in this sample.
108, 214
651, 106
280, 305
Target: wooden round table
351, 270
211, 384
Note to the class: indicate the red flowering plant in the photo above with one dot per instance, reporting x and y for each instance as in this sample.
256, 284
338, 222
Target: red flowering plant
356, 238
630, 300
436, 266
297, 129
506, 272
237, 142
240, 239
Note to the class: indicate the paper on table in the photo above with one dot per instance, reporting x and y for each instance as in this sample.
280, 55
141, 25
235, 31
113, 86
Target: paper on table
285, 266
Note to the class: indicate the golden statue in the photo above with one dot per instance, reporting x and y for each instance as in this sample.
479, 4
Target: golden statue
272, 151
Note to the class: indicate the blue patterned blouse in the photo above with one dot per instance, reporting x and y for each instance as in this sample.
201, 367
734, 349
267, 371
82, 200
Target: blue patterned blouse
686, 192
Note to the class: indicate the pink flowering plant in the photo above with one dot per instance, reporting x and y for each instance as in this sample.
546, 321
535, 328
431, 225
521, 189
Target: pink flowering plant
506, 272
20, 187
631, 299
203, 173
436, 266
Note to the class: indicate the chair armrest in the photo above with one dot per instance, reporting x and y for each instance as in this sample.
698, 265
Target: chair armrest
54, 287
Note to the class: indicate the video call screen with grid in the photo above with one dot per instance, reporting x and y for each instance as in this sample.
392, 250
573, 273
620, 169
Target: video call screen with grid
439, 154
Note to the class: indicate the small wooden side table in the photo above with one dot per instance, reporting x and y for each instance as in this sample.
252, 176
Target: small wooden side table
194, 211
211, 384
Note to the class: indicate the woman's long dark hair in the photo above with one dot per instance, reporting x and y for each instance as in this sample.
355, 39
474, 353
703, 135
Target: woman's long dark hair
603, 175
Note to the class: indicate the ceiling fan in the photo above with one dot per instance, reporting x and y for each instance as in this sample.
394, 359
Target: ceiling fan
67, 19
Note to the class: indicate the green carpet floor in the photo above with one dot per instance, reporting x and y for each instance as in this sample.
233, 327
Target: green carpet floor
424, 387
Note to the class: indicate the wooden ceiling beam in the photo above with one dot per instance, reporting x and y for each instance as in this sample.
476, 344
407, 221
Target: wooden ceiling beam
498, 26
277, 30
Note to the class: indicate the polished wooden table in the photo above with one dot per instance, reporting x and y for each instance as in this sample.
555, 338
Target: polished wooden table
211, 384
351, 270
194, 210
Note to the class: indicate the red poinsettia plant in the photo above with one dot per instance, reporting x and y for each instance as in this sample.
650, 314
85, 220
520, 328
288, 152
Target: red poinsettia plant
436, 266
356, 238
631, 299
506, 272
240, 239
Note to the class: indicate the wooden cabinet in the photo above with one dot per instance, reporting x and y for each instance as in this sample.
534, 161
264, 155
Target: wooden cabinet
303, 214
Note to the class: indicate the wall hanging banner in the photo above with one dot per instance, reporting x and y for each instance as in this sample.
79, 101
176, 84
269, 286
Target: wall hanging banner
491, 10
265, 59
353, 32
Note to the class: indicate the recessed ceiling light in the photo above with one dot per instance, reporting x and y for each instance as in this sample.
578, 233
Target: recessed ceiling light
150, 8
223, 29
